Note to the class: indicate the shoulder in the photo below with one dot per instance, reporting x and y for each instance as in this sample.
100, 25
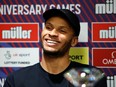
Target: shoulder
18, 77
27, 69
24, 72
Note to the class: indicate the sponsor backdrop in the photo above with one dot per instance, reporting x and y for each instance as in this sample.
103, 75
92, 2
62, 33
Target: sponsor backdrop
21, 23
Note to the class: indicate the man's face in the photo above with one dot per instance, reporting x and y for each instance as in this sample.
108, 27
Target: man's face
57, 35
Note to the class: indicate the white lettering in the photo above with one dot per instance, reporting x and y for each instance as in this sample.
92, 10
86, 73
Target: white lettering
109, 61
40, 8
8, 9
37, 9
14, 10
16, 33
72, 7
110, 33
26, 11
77, 7
52, 6
22, 9
32, 10
108, 8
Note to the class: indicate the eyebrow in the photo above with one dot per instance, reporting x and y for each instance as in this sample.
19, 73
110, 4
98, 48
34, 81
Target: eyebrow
49, 23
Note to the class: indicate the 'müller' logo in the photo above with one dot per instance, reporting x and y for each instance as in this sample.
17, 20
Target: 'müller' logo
16, 33
110, 33
106, 8
19, 32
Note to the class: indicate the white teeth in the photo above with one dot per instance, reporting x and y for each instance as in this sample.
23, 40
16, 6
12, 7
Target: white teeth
49, 41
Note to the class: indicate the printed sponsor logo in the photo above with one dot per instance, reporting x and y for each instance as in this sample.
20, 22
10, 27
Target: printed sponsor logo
104, 57
35, 9
79, 54
19, 32
104, 32
109, 7
18, 57
111, 81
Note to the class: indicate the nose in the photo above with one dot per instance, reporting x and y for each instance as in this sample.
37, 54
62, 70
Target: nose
53, 32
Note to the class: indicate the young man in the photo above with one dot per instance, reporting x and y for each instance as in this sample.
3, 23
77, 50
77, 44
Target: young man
61, 32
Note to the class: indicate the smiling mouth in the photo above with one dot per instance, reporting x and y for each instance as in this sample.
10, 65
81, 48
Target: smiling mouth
52, 42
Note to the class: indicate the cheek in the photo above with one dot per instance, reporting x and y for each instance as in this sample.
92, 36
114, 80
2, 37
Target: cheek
42, 36
64, 39
43, 33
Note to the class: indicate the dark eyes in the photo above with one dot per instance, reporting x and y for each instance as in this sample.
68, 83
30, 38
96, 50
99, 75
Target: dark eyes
60, 29
49, 28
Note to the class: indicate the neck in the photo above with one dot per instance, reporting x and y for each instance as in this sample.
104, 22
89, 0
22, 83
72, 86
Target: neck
55, 65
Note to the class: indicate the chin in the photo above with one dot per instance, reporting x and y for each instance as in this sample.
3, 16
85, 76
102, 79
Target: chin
54, 54
50, 51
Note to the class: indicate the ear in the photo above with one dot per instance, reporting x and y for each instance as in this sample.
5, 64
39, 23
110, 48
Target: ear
74, 41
